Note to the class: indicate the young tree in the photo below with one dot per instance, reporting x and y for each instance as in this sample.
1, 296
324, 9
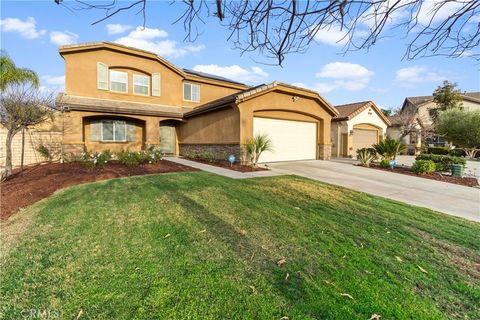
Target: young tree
10, 74
275, 28
462, 129
446, 97
22, 106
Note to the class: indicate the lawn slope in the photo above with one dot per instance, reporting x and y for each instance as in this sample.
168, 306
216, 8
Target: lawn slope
200, 246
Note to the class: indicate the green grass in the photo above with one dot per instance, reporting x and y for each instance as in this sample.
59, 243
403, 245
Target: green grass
200, 246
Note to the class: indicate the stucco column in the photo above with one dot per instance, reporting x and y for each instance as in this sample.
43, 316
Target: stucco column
324, 141
73, 141
152, 131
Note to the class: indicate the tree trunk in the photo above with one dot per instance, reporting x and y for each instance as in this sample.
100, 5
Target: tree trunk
23, 150
8, 152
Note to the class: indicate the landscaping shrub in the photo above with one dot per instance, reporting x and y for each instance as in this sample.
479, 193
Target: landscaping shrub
388, 148
385, 163
424, 166
134, 158
97, 159
365, 156
206, 156
44, 152
443, 162
436, 150
371, 151
457, 153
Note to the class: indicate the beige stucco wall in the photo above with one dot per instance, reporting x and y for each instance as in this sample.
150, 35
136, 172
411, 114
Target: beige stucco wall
76, 133
280, 105
216, 127
48, 134
81, 78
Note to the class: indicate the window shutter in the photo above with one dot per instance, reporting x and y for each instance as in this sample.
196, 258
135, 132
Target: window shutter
156, 85
95, 130
131, 131
102, 76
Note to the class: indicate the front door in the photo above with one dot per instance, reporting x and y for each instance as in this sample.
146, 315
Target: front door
167, 138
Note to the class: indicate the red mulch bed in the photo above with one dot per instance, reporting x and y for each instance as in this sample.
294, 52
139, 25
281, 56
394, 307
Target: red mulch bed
37, 182
465, 181
225, 164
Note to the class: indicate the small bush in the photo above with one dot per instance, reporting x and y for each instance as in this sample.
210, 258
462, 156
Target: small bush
443, 163
424, 166
206, 156
44, 152
371, 151
437, 150
385, 163
365, 157
457, 153
135, 158
97, 159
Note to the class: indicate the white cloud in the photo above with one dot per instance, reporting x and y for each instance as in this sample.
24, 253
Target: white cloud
343, 75
27, 29
116, 28
60, 38
332, 36
412, 76
53, 80
52, 83
234, 72
154, 40
433, 11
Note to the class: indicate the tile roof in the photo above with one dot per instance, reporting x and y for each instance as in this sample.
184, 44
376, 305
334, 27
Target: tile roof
416, 101
348, 111
244, 94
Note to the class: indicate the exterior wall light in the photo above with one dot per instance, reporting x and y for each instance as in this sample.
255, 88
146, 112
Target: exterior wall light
351, 132
295, 98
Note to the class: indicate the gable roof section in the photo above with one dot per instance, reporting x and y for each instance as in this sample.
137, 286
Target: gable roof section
186, 74
349, 111
253, 92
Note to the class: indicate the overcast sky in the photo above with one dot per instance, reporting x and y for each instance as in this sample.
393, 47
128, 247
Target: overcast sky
31, 32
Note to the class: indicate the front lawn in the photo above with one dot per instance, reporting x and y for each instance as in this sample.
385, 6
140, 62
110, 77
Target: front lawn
200, 246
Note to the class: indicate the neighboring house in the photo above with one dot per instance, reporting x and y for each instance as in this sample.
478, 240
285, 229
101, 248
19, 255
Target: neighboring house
118, 97
358, 125
48, 134
418, 109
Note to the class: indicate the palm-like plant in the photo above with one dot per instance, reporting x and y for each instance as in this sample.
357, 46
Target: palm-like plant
365, 157
10, 74
388, 148
256, 146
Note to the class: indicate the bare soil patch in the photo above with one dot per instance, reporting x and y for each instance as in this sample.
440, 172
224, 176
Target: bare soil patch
465, 181
225, 164
37, 182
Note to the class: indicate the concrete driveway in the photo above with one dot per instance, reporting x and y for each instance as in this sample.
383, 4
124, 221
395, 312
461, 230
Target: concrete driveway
444, 197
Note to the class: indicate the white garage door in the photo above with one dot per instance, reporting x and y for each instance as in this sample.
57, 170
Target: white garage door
363, 138
291, 140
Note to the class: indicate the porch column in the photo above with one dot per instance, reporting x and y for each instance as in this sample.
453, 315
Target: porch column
152, 131
324, 141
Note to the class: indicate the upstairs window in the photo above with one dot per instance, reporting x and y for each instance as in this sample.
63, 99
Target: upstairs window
141, 84
114, 131
118, 81
191, 92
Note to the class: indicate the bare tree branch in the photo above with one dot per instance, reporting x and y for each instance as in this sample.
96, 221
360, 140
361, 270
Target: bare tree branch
276, 28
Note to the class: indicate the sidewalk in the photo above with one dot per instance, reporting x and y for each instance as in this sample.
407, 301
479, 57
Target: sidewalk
224, 172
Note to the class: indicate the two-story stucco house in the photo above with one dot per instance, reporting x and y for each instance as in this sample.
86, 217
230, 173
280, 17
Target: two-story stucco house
118, 97
419, 109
